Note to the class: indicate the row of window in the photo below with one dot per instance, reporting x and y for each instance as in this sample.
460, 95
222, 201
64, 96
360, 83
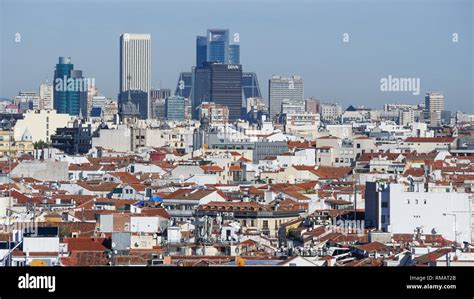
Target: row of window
416, 201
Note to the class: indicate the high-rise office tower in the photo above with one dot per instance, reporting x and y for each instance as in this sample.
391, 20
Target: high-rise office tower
218, 45
46, 92
280, 88
201, 50
221, 84
174, 107
234, 54
226, 87
135, 67
250, 86
185, 84
70, 89
434, 105
161, 93
201, 89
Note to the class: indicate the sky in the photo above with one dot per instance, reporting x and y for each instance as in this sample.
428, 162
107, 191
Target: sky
401, 38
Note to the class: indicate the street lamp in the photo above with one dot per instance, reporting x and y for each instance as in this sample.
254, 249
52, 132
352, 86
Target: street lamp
455, 227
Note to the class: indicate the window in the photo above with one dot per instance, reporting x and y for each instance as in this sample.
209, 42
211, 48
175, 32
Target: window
358, 145
424, 201
408, 201
384, 204
265, 224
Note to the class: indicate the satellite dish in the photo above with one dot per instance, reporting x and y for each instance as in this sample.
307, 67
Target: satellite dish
113, 245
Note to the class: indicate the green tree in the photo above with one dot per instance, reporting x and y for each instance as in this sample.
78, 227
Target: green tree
40, 144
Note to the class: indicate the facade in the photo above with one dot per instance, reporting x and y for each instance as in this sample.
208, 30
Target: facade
26, 100
218, 45
419, 208
234, 54
226, 87
250, 85
330, 112
216, 114
221, 84
14, 148
184, 85
201, 51
46, 95
135, 66
139, 98
70, 88
73, 140
312, 105
40, 124
284, 88
175, 108
434, 106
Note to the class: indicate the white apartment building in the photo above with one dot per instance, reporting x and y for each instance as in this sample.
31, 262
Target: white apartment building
40, 124
330, 111
408, 209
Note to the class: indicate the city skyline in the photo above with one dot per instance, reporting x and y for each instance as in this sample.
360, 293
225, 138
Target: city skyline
326, 63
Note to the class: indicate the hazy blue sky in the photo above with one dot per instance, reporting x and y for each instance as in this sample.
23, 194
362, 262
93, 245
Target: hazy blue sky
398, 38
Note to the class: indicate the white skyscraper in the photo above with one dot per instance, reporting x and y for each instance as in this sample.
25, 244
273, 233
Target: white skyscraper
46, 96
289, 89
135, 64
434, 105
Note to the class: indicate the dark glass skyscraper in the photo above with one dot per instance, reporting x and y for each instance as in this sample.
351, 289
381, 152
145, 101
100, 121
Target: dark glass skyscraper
201, 88
201, 51
70, 89
226, 87
219, 83
250, 86
218, 45
234, 54
185, 84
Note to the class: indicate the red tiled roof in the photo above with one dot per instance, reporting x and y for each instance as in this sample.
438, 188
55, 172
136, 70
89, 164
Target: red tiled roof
85, 244
211, 168
430, 139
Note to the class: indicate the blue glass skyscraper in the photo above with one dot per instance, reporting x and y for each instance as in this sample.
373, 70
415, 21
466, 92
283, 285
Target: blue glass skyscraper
70, 89
234, 54
218, 45
201, 50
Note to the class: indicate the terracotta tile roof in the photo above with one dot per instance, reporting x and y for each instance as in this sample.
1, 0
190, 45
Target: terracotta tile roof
371, 247
125, 177
161, 212
244, 159
234, 168
189, 194
85, 244
213, 168
98, 187
414, 172
430, 139
232, 206
432, 256
328, 172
